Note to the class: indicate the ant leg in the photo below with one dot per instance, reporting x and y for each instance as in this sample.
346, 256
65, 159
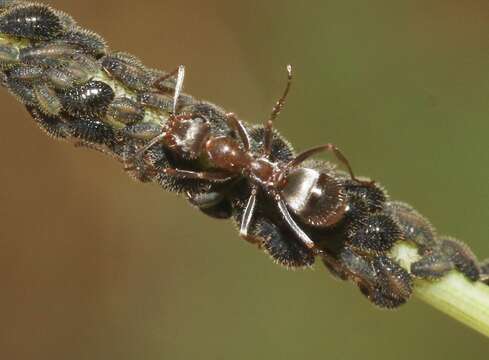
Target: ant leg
306, 240
299, 159
248, 214
268, 136
204, 175
239, 128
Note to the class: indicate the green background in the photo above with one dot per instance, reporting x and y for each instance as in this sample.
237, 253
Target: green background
96, 266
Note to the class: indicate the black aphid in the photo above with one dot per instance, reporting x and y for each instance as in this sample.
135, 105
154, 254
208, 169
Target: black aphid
47, 99
125, 110
462, 257
51, 125
9, 56
89, 99
93, 131
128, 70
433, 265
31, 21
91, 43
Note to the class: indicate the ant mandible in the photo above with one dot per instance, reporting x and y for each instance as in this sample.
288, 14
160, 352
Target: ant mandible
313, 195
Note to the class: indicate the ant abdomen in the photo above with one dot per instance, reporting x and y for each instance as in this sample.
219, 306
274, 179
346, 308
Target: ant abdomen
314, 196
31, 21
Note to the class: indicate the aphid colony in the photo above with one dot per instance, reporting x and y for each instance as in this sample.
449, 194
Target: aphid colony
294, 208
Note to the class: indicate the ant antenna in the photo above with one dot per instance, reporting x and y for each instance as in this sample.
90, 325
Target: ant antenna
178, 87
276, 110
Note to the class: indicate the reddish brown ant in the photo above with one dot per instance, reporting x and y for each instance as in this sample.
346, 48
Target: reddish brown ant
313, 196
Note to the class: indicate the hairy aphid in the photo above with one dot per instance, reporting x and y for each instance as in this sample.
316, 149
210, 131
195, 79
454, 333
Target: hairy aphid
90, 42
362, 199
128, 70
91, 130
414, 226
376, 232
9, 56
51, 125
280, 244
89, 99
462, 257
125, 110
432, 266
26, 73
31, 21
22, 90
156, 101
394, 285
47, 99
66, 20
48, 54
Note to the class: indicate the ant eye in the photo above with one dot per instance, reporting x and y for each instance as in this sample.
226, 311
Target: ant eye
377, 232
128, 70
314, 196
432, 266
89, 99
9, 56
461, 256
47, 99
282, 247
91, 43
413, 225
31, 21
51, 125
125, 110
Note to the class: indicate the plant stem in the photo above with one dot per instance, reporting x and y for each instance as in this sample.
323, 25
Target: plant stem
454, 294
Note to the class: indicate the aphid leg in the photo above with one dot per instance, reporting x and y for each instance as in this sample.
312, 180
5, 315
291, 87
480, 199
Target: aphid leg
204, 175
299, 159
268, 136
240, 130
248, 213
306, 240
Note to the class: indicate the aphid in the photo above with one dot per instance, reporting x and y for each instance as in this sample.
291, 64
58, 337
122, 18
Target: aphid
128, 70
125, 110
22, 90
317, 204
26, 73
414, 226
90, 99
48, 54
362, 199
433, 265
156, 100
375, 232
31, 21
92, 130
66, 20
47, 100
462, 257
9, 56
90, 42
51, 125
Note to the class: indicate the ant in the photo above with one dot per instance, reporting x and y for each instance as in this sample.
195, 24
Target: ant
314, 196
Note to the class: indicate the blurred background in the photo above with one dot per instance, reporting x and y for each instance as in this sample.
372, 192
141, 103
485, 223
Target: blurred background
96, 266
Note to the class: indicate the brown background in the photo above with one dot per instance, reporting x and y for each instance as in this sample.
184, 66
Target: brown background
96, 266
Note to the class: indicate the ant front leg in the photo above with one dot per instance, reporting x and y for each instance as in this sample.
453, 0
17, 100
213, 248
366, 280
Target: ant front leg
299, 159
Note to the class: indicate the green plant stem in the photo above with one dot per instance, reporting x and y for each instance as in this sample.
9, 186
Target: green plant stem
454, 294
